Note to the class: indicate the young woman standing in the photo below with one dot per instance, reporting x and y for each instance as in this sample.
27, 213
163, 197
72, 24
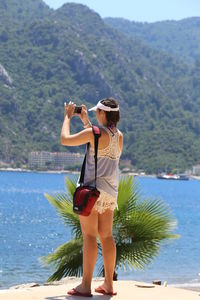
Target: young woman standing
99, 223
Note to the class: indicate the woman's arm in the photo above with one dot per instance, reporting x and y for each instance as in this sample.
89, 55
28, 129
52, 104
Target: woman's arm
121, 139
80, 138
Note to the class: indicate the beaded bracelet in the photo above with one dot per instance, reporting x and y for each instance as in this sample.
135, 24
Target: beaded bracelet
86, 125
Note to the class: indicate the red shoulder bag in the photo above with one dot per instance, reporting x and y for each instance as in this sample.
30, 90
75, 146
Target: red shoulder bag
85, 197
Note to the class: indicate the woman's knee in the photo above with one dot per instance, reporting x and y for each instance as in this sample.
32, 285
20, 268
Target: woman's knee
104, 233
89, 235
89, 225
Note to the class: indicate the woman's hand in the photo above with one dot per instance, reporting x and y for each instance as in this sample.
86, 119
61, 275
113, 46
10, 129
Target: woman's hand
84, 114
65, 112
84, 117
69, 113
69, 110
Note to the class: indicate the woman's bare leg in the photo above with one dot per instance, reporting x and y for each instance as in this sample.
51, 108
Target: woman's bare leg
105, 223
89, 227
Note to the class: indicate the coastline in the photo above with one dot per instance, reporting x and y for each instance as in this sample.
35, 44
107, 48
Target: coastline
125, 290
37, 171
192, 177
185, 286
67, 172
72, 172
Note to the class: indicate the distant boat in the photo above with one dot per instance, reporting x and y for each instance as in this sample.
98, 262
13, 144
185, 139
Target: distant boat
173, 176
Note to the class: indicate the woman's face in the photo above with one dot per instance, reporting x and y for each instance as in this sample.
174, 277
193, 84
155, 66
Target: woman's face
100, 115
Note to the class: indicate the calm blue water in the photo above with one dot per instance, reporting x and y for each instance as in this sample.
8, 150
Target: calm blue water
30, 228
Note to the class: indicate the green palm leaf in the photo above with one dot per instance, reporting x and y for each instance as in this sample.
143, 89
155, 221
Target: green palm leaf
71, 185
67, 259
136, 254
140, 231
140, 227
63, 202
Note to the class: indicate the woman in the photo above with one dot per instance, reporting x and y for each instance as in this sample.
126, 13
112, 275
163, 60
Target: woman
99, 223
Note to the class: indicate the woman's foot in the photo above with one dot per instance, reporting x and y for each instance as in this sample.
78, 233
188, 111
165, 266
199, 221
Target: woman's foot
105, 290
80, 291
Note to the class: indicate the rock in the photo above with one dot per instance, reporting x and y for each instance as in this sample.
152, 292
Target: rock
5, 76
157, 282
25, 286
63, 281
146, 285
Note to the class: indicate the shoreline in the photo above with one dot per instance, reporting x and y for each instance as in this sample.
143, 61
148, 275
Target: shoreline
125, 290
20, 170
192, 177
67, 172
184, 286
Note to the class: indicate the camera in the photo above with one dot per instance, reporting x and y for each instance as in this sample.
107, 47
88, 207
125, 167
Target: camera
77, 109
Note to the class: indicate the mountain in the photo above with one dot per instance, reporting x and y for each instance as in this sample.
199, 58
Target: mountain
71, 53
20, 10
178, 38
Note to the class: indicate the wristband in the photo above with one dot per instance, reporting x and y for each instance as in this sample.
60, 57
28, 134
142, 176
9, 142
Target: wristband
87, 125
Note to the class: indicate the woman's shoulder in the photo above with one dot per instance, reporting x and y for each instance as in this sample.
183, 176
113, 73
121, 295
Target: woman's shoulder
121, 138
106, 132
105, 129
103, 140
120, 133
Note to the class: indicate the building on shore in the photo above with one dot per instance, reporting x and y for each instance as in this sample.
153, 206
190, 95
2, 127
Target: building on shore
54, 160
196, 170
125, 162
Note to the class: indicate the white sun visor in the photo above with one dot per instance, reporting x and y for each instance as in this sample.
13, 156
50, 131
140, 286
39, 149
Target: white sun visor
103, 107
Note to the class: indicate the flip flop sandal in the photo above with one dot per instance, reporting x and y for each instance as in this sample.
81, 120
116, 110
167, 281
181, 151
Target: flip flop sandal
102, 291
74, 292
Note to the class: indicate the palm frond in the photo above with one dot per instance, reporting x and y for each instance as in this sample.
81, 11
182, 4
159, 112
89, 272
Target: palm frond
128, 197
71, 185
67, 259
140, 226
63, 205
136, 254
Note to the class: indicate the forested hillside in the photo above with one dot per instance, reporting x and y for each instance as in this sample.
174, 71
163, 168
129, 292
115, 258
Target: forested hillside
178, 38
48, 56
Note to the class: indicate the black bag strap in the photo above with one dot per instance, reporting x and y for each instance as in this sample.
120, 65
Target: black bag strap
97, 134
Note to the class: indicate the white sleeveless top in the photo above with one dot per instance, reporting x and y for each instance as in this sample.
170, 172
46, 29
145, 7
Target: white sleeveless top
107, 166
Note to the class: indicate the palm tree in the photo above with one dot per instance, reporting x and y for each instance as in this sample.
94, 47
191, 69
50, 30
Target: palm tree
140, 227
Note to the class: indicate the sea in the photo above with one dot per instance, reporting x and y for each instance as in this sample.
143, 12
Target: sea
30, 228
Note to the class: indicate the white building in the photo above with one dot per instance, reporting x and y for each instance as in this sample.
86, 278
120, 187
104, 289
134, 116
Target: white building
55, 160
196, 170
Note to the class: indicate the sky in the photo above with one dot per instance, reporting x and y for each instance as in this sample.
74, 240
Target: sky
139, 10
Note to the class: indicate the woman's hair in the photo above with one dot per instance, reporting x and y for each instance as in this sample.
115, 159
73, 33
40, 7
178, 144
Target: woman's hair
112, 117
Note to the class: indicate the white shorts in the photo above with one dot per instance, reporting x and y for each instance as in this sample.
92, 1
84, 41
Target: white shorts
105, 201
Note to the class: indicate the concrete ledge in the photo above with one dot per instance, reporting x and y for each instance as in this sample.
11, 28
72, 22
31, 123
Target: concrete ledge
126, 290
